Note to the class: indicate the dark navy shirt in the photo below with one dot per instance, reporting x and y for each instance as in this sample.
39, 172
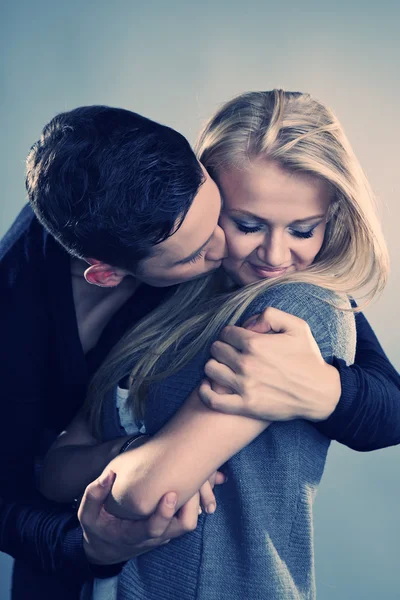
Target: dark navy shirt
44, 376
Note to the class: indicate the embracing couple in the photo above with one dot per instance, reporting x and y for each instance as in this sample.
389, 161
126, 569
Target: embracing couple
158, 376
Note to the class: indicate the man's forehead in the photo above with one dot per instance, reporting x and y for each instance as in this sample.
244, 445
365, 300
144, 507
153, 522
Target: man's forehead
196, 229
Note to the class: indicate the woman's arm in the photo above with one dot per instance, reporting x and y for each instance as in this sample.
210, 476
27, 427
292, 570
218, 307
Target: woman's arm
197, 440
180, 457
74, 460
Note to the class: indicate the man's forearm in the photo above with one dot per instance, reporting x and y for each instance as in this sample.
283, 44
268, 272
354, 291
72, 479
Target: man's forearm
69, 469
367, 416
180, 457
50, 541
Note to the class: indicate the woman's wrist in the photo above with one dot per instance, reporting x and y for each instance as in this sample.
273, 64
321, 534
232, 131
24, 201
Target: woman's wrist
116, 445
133, 442
135, 491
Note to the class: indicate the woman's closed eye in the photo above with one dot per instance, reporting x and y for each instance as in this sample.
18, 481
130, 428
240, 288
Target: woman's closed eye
302, 234
247, 228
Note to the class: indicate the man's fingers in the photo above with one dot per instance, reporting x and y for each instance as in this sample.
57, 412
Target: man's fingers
275, 320
94, 498
225, 354
257, 324
207, 498
227, 403
237, 337
158, 522
220, 373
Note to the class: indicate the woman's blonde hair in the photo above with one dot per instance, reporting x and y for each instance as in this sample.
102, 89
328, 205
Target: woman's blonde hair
301, 135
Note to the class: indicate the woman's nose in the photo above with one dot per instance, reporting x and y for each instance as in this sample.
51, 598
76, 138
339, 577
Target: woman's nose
274, 251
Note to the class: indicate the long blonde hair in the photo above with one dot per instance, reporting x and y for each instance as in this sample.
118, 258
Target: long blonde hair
302, 135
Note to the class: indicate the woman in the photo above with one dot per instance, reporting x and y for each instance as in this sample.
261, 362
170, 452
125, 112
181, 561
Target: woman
298, 212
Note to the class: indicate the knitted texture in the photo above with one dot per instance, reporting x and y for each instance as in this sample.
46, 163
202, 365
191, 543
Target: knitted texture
259, 543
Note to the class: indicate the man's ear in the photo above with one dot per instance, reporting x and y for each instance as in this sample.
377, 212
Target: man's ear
102, 274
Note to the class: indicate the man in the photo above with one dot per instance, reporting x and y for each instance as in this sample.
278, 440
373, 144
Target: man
124, 203
111, 185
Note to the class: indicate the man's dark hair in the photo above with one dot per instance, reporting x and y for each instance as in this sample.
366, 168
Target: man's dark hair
110, 184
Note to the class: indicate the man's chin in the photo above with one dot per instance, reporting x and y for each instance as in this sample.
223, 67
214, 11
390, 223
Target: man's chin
162, 284
232, 274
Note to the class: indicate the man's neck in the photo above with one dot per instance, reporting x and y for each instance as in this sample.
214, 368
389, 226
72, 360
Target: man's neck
95, 306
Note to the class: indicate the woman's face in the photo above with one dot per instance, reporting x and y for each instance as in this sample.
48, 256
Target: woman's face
274, 220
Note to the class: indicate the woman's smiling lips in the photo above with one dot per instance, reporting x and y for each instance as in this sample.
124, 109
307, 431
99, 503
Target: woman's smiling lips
268, 271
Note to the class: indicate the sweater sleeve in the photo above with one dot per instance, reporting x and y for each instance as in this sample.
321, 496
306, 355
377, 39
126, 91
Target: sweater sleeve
367, 416
333, 329
48, 540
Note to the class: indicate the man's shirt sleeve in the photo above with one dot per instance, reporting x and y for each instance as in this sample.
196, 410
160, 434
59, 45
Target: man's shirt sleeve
367, 416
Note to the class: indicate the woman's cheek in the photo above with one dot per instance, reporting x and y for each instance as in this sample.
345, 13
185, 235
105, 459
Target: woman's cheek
237, 248
314, 249
319, 241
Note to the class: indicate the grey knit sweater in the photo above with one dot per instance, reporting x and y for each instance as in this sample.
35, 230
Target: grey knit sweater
259, 543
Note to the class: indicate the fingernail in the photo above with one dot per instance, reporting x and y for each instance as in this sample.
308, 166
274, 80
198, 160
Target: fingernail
171, 499
251, 323
211, 508
200, 511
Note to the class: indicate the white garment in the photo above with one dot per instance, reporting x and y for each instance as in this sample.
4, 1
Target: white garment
106, 589
125, 414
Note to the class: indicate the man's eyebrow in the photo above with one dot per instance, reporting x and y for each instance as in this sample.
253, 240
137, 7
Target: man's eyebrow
189, 258
257, 218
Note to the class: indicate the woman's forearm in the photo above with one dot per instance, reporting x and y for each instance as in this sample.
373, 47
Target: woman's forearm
70, 468
180, 457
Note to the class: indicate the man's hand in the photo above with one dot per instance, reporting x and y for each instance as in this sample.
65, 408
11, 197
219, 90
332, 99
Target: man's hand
109, 540
270, 377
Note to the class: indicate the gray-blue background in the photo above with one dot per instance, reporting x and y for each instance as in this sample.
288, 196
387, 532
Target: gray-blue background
176, 63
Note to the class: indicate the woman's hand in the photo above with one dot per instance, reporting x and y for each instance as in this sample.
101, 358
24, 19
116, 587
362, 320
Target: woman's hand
270, 377
207, 498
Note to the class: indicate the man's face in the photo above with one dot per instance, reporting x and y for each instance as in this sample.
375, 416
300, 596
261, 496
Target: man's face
195, 249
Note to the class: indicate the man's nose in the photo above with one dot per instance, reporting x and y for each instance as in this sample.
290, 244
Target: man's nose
218, 249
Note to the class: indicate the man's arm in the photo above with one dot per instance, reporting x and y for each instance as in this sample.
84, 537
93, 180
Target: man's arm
47, 537
48, 540
283, 376
74, 460
197, 440
367, 416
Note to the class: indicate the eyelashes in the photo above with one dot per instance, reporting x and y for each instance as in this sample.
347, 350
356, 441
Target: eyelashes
196, 258
299, 234
303, 234
245, 229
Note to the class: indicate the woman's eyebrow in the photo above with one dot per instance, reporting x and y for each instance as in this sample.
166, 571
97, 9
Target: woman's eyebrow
313, 218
